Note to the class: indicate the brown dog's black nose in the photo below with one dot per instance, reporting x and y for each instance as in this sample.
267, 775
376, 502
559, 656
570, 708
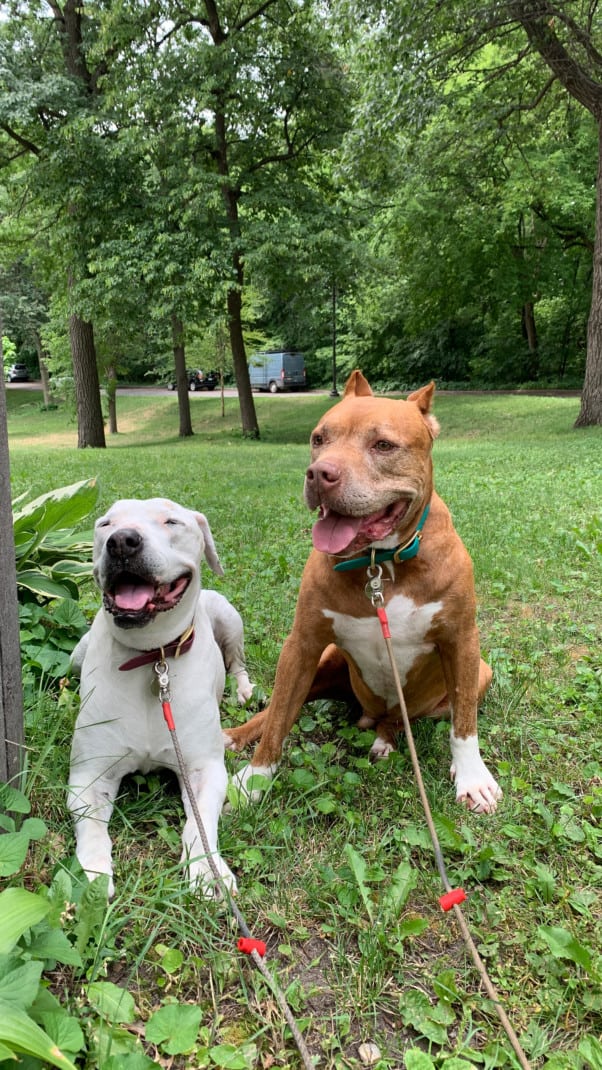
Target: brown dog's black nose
323, 473
124, 543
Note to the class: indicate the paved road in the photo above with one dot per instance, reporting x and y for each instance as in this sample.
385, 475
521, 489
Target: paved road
231, 392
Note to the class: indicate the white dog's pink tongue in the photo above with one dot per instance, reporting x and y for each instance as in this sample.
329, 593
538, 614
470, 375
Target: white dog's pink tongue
133, 595
333, 533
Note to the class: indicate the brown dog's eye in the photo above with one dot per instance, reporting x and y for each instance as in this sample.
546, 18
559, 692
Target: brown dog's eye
317, 440
384, 446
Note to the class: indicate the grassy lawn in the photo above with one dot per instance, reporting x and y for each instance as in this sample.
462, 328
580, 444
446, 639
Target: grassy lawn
334, 865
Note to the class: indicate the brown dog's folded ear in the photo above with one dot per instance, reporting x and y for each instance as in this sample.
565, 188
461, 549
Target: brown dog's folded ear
210, 553
423, 398
357, 386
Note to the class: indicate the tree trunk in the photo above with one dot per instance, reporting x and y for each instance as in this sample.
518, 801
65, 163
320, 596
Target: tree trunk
112, 399
44, 376
539, 24
179, 357
11, 694
530, 333
248, 416
90, 425
591, 397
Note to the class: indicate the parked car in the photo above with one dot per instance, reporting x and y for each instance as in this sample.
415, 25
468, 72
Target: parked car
277, 371
197, 380
17, 373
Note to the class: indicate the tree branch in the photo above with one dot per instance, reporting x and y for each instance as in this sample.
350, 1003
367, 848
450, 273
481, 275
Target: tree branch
24, 142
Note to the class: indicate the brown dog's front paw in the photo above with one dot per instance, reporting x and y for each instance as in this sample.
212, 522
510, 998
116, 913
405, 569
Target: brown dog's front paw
232, 741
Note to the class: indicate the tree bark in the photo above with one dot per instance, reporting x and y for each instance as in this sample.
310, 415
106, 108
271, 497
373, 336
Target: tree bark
538, 21
44, 376
591, 397
90, 429
112, 399
530, 332
248, 416
11, 693
179, 357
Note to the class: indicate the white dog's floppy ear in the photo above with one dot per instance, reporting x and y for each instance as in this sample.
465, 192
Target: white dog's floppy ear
210, 553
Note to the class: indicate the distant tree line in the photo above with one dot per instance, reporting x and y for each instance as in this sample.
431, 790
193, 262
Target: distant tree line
181, 184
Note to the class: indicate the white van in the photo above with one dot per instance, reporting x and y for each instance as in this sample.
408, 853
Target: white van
277, 371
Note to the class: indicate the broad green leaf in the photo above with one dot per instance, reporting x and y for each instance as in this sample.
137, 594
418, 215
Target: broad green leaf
402, 885
64, 1030
20, 985
358, 868
13, 850
131, 1060
228, 1057
34, 827
114, 1003
19, 910
39, 583
14, 800
62, 507
415, 1059
72, 569
591, 1050
55, 945
21, 1033
171, 959
174, 1027
564, 946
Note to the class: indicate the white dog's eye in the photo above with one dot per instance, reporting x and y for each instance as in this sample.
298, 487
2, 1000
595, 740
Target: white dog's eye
172, 520
104, 523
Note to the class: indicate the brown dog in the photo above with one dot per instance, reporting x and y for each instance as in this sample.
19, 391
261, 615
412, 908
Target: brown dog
371, 478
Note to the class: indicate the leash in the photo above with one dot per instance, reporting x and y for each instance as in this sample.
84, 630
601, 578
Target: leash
256, 949
452, 897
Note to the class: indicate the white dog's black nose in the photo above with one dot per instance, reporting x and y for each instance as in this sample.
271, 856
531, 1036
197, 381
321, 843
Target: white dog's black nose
124, 543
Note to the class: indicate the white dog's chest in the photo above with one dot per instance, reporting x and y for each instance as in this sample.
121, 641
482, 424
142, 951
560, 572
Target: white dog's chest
362, 638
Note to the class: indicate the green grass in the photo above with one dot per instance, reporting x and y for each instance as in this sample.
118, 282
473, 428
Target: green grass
525, 492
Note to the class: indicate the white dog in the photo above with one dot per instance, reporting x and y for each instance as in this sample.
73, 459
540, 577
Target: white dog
147, 557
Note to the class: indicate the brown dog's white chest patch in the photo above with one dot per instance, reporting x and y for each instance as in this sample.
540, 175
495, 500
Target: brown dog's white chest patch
361, 637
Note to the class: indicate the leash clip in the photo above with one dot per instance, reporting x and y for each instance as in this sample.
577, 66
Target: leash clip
374, 587
162, 672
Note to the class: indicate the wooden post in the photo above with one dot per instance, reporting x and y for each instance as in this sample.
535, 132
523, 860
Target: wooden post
11, 691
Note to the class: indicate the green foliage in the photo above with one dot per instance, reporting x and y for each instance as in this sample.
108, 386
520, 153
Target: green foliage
53, 558
334, 864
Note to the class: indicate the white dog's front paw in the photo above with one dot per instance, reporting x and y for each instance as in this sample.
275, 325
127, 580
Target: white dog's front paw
93, 871
244, 687
251, 781
203, 880
475, 786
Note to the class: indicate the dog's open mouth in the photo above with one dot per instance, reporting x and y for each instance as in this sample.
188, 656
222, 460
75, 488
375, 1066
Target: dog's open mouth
137, 598
334, 533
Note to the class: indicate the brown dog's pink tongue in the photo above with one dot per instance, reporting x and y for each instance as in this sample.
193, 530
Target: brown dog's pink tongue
333, 533
133, 595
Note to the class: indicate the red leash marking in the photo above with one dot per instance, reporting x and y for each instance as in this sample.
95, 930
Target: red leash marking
452, 898
168, 715
249, 944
